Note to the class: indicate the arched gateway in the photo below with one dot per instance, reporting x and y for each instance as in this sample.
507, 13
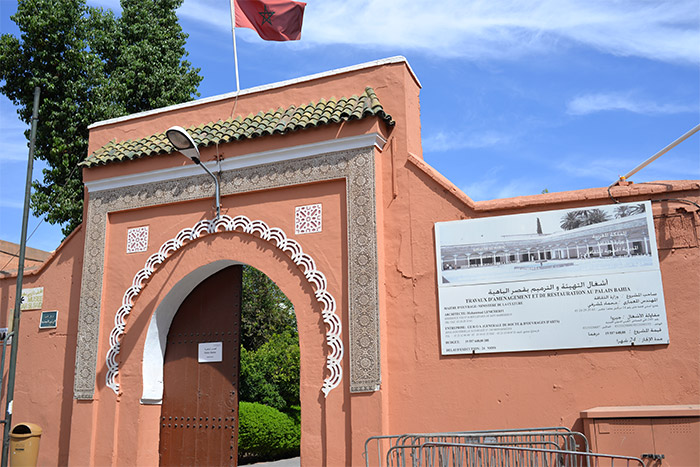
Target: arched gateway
155, 345
306, 199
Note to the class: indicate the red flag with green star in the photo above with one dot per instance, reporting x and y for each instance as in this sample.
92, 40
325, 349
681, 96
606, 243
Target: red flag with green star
274, 20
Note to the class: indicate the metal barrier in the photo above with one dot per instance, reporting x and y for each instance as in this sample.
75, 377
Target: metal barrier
433, 454
567, 440
376, 447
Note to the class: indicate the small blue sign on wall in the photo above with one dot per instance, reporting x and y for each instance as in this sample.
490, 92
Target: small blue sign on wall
48, 319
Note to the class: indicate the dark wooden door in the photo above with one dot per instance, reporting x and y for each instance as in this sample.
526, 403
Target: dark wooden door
199, 416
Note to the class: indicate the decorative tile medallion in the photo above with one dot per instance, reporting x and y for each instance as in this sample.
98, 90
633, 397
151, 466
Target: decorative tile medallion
137, 239
308, 219
355, 166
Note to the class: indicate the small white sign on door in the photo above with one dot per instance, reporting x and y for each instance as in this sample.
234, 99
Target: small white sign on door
210, 352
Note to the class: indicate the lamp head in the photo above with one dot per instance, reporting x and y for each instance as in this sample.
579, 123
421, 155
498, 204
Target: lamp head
183, 142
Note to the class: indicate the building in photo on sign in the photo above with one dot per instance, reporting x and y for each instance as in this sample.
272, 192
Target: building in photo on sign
624, 242
400, 284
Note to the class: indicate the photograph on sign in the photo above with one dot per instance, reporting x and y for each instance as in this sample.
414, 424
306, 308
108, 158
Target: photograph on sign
575, 278
49, 319
210, 352
32, 299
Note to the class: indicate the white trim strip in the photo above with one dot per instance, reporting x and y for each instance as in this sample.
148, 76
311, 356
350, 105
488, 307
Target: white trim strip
233, 163
265, 87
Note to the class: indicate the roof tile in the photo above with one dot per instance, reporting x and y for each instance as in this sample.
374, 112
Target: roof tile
277, 121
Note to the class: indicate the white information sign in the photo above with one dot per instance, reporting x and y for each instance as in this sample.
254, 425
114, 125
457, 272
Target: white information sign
587, 277
210, 352
32, 299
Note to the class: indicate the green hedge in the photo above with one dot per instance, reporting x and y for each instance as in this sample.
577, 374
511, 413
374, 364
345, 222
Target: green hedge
265, 433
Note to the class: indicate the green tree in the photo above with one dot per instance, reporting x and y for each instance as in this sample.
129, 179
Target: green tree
90, 66
266, 310
148, 70
52, 53
270, 374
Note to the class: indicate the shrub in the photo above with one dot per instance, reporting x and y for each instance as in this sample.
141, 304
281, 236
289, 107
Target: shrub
270, 374
265, 433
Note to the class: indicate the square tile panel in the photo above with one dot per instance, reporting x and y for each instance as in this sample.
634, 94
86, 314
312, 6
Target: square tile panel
137, 239
307, 219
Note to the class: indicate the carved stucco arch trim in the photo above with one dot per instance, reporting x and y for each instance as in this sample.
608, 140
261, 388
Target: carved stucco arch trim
355, 166
273, 235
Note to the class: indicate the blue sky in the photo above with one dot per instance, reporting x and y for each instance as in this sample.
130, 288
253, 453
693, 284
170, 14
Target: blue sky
518, 95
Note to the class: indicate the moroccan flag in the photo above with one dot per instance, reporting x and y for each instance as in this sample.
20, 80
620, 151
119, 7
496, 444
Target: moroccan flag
274, 20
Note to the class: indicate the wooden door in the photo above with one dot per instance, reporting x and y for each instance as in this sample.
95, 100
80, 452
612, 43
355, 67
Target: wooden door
199, 416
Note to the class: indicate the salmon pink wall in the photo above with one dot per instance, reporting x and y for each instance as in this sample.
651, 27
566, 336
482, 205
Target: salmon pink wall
431, 392
46, 357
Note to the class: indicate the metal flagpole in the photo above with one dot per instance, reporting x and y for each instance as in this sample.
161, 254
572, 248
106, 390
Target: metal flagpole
678, 141
235, 51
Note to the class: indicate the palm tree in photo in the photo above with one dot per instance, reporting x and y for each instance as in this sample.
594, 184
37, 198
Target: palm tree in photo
623, 211
582, 217
638, 209
571, 220
595, 216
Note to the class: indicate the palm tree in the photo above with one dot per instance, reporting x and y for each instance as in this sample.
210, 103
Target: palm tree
575, 219
595, 216
627, 210
638, 209
623, 211
571, 220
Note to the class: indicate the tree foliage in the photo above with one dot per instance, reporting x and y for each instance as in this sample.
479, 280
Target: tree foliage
270, 374
266, 310
583, 217
90, 66
627, 210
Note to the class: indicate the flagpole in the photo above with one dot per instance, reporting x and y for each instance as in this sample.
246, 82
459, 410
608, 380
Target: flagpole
235, 51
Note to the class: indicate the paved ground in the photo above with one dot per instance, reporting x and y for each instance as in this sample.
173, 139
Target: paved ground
293, 462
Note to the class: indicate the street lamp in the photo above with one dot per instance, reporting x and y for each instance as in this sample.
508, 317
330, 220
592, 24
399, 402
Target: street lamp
183, 142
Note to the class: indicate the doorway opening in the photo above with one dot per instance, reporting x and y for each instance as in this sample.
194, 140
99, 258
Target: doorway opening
270, 411
231, 374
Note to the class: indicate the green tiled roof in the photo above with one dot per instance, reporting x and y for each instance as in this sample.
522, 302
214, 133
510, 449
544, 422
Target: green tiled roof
278, 121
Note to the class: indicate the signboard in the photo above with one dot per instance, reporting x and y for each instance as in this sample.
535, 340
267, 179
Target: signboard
210, 352
3, 334
49, 319
577, 278
32, 299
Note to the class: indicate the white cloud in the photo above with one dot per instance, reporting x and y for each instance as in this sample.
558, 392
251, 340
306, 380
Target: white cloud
662, 30
490, 185
591, 103
446, 141
675, 165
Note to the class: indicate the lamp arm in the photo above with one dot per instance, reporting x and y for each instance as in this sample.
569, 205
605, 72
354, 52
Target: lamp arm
216, 184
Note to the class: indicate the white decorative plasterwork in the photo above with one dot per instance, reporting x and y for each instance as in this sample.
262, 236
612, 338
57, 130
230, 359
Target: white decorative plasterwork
277, 238
308, 219
354, 166
137, 239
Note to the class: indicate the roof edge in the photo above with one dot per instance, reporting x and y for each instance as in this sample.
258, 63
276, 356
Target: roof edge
52, 256
262, 88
